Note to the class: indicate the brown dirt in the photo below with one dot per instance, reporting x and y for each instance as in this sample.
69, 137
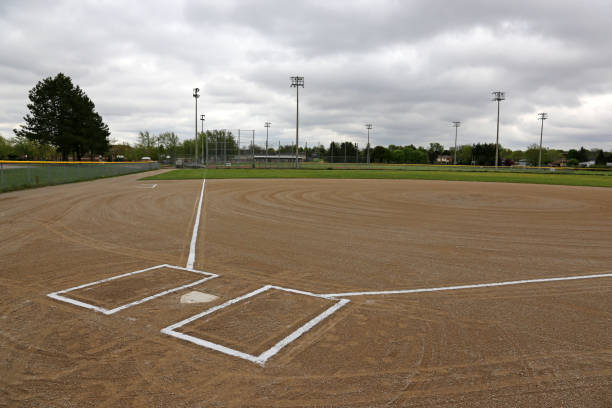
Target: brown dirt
256, 324
121, 291
522, 346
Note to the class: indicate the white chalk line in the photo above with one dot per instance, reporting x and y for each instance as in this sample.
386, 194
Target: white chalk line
196, 225
151, 186
58, 295
263, 357
459, 287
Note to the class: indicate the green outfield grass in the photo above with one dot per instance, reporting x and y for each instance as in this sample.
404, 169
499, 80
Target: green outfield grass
560, 179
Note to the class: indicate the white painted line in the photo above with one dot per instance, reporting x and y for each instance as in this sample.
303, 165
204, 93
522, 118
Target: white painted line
58, 295
214, 309
194, 235
263, 357
151, 186
480, 285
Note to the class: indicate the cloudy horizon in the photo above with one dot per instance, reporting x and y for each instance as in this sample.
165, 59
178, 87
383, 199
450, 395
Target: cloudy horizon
409, 68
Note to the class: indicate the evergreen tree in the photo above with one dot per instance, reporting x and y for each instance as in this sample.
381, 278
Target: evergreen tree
62, 116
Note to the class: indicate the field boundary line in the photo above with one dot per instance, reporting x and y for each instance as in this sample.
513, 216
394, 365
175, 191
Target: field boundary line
59, 294
196, 225
264, 356
474, 286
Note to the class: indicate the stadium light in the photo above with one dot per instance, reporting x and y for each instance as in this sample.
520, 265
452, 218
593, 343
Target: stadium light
196, 95
456, 125
541, 116
497, 96
296, 82
369, 127
267, 125
202, 119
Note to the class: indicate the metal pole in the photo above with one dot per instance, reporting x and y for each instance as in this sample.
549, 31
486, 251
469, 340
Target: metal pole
239, 157
196, 95
368, 146
541, 133
202, 119
253, 148
297, 126
542, 116
456, 125
455, 159
297, 81
267, 125
497, 137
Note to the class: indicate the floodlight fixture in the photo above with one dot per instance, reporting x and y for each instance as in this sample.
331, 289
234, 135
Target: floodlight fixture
369, 127
297, 82
456, 124
497, 96
541, 116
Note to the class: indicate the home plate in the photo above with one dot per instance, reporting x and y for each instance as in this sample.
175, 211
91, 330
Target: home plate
197, 297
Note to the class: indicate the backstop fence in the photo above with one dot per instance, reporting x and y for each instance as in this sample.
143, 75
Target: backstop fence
15, 175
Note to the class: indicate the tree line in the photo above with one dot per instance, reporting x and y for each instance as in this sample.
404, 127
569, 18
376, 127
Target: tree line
62, 123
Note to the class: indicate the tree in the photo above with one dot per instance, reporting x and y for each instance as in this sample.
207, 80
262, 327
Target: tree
5, 148
62, 116
380, 154
435, 150
484, 154
464, 154
600, 159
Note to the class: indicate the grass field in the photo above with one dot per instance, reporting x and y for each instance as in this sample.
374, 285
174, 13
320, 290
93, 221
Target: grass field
530, 178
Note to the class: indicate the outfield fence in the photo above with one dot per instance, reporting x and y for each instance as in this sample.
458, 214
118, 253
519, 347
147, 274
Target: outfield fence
16, 175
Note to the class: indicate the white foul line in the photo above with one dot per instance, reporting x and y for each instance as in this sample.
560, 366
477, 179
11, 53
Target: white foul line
263, 357
480, 285
194, 235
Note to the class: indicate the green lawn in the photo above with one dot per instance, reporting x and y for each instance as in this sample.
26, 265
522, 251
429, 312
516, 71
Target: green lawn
562, 179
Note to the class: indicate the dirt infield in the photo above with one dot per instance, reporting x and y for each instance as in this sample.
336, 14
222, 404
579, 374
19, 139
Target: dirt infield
545, 344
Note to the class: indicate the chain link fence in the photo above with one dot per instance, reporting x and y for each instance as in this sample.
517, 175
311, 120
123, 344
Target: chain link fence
16, 175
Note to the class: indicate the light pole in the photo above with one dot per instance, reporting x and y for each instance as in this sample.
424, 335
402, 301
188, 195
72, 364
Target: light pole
497, 96
369, 127
196, 95
267, 125
541, 116
202, 119
456, 125
296, 82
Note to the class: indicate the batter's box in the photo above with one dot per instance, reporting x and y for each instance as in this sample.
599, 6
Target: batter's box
119, 292
256, 325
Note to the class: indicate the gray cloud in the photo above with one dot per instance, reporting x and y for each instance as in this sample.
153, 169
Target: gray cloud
408, 67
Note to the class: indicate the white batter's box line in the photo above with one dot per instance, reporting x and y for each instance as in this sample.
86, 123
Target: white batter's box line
263, 357
58, 295
480, 285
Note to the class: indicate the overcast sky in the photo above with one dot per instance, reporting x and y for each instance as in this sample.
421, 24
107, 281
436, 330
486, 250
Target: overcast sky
408, 67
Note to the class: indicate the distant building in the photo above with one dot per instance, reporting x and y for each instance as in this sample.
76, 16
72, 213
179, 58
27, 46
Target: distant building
444, 159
